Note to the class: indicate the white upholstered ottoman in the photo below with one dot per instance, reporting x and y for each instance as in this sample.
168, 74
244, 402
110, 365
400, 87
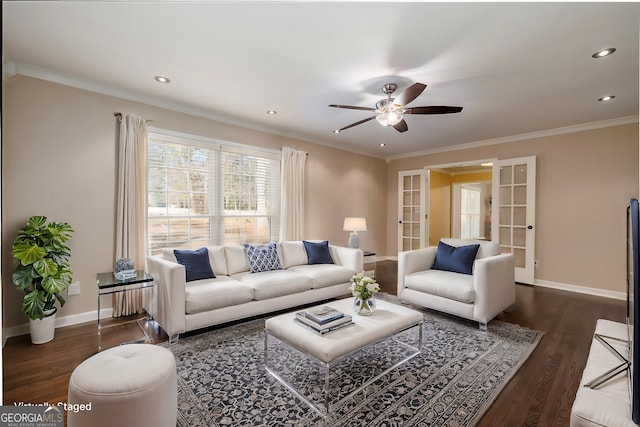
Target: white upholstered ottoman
129, 385
609, 404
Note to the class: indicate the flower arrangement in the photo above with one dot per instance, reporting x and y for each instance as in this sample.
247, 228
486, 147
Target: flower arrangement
363, 287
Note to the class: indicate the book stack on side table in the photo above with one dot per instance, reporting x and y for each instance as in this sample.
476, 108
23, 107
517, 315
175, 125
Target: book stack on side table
323, 320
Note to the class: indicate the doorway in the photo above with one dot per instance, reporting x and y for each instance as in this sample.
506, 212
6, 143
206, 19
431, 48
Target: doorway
449, 214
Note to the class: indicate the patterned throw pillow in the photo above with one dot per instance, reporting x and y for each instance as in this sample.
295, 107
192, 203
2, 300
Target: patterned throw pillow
263, 257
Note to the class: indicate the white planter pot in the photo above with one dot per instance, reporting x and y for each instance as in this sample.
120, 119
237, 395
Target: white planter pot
43, 330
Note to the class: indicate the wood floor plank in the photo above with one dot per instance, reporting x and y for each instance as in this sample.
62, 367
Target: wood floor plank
540, 394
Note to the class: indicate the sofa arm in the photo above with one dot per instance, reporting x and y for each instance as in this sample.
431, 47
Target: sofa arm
347, 257
414, 261
494, 285
170, 279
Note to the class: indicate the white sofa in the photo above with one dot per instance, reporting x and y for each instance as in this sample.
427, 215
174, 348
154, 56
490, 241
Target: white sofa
480, 296
236, 293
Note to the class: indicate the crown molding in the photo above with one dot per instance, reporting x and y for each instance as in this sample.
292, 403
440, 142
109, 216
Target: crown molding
531, 135
92, 86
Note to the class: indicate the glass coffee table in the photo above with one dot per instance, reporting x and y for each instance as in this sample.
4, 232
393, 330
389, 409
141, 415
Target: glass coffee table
108, 284
345, 361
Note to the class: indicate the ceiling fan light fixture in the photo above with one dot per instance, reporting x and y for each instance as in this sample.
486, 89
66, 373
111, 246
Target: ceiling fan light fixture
389, 118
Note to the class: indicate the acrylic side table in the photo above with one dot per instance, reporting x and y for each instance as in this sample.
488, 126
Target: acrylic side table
108, 284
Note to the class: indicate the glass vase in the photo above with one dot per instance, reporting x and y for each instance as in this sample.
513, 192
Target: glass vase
364, 307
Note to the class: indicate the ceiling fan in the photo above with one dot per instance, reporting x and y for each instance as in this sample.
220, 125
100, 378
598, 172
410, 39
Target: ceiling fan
391, 111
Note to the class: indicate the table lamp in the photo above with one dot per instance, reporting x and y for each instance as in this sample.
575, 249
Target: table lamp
354, 225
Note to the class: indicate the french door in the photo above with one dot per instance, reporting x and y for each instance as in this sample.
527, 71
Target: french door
513, 210
412, 209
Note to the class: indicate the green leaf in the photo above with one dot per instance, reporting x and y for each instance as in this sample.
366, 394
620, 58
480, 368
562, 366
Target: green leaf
60, 231
23, 277
45, 267
37, 222
54, 285
60, 300
33, 304
28, 253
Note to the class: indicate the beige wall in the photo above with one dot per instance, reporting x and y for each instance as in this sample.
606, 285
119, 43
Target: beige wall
584, 183
60, 161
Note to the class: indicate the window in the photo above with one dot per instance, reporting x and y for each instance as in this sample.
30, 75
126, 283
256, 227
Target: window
469, 212
204, 192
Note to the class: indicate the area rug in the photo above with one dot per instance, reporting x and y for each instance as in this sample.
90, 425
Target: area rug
452, 382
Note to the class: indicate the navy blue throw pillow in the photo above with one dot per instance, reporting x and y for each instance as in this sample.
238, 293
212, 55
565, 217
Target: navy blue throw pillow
318, 252
457, 259
196, 263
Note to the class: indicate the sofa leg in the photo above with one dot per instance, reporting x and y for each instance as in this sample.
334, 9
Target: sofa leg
173, 339
483, 327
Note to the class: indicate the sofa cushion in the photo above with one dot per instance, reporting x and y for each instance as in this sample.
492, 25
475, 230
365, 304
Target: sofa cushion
237, 261
445, 284
263, 257
196, 263
218, 260
293, 253
205, 295
487, 247
457, 259
323, 275
318, 252
275, 283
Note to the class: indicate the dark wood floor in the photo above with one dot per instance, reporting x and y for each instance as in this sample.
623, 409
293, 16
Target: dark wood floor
540, 394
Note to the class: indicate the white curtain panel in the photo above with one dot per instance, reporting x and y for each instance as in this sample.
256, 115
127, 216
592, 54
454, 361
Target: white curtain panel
292, 196
131, 213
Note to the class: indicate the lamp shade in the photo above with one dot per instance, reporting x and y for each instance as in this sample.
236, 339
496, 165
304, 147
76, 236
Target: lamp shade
355, 224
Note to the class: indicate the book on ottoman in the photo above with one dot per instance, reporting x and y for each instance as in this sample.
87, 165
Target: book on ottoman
322, 315
323, 329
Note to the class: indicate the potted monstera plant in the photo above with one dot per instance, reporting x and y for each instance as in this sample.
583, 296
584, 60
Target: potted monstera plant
42, 273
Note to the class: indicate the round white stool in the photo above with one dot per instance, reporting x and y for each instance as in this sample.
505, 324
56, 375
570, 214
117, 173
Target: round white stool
129, 385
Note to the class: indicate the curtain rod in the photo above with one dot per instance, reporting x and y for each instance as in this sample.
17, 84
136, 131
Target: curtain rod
119, 116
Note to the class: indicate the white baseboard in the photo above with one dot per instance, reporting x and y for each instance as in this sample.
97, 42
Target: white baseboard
61, 322
581, 289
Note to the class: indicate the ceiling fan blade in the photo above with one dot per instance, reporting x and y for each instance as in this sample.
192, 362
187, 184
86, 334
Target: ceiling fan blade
401, 126
434, 109
410, 93
357, 123
352, 107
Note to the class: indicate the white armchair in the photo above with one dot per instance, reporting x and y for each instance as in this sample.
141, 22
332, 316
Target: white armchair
481, 296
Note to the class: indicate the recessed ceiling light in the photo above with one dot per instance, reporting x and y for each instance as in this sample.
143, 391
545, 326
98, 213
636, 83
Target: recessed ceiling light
604, 52
162, 79
272, 112
606, 98
336, 131
382, 144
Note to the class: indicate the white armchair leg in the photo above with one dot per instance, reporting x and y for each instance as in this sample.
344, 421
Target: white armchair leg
483, 327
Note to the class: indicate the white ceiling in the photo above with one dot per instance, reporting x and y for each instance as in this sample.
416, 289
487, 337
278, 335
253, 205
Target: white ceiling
515, 68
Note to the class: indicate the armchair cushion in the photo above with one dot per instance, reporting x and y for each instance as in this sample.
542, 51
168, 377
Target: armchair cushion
196, 263
318, 252
458, 287
456, 259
